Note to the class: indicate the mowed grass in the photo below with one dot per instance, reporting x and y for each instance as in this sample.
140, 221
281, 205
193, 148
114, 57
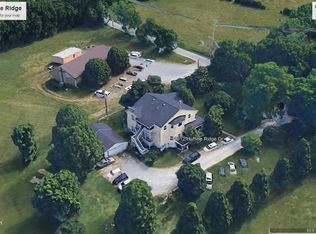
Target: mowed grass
293, 209
168, 158
268, 158
23, 70
99, 200
192, 20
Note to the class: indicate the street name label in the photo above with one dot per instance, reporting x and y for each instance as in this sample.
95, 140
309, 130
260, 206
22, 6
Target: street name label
12, 10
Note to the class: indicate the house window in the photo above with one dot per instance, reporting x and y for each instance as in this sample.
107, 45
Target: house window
189, 116
172, 126
165, 128
180, 124
74, 56
171, 138
133, 117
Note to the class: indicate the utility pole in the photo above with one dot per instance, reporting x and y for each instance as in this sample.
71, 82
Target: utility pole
106, 106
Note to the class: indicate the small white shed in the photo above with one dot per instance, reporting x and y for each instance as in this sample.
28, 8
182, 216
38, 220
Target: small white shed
113, 143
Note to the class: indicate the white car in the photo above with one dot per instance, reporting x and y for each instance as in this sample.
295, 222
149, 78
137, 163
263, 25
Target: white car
212, 145
232, 168
115, 171
209, 180
128, 87
150, 60
228, 139
101, 93
120, 186
135, 54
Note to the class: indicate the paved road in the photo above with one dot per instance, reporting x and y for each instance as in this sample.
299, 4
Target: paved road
164, 180
167, 71
203, 61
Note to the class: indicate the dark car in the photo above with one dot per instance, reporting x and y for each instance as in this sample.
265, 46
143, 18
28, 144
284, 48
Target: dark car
131, 73
192, 157
104, 163
221, 171
139, 67
243, 163
122, 177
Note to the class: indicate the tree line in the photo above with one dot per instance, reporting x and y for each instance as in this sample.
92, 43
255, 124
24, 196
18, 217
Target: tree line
47, 17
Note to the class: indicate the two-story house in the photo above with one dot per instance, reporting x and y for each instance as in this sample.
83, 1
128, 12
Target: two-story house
160, 120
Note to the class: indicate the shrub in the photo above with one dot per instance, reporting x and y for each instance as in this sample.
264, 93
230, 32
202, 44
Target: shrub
273, 136
251, 3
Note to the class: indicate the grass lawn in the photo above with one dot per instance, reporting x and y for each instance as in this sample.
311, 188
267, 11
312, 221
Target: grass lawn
99, 200
168, 158
22, 72
268, 159
293, 209
192, 20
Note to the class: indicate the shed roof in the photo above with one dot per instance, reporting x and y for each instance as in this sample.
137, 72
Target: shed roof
156, 109
67, 52
106, 135
76, 67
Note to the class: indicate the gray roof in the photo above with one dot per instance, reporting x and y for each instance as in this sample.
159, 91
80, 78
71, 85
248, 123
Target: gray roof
177, 120
197, 122
106, 135
156, 109
76, 67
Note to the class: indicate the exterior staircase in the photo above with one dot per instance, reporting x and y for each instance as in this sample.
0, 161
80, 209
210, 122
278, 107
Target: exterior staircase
136, 141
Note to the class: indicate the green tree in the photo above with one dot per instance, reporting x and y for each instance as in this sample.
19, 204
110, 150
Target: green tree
217, 215
300, 160
303, 100
264, 89
138, 89
260, 187
23, 137
71, 226
241, 200
70, 115
213, 122
136, 213
199, 82
186, 96
118, 60
126, 14
58, 195
190, 222
178, 84
232, 61
96, 12
191, 181
146, 30
224, 100
97, 73
155, 84
75, 145
281, 175
273, 136
251, 143
284, 50
165, 39
194, 135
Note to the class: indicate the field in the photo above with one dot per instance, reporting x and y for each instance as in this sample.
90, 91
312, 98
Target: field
192, 20
22, 101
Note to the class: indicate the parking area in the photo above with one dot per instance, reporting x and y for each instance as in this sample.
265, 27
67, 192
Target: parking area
167, 71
